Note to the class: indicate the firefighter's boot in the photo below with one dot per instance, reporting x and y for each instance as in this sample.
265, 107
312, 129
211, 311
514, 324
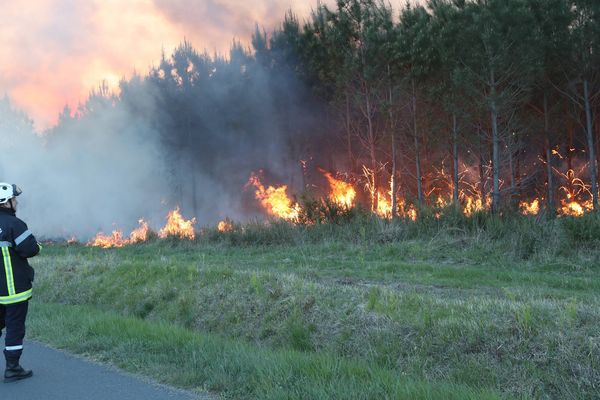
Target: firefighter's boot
14, 371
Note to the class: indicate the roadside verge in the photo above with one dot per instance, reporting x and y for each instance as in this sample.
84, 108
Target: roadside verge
207, 363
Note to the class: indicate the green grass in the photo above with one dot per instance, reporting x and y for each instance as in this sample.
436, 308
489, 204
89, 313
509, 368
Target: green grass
228, 368
509, 306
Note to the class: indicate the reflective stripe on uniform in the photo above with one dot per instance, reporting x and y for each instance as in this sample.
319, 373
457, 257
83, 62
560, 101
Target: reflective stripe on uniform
17, 298
13, 348
22, 237
10, 280
5, 244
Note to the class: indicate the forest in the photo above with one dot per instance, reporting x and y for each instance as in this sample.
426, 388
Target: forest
485, 105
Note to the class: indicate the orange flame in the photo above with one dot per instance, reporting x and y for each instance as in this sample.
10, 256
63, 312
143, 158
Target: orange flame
407, 211
275, 200
225, 226
342, 193
140, 234
572, 208
474, 204
577, 200
177, 226
384, 206
116, 238
109, 241
532, 208
575, 189
441, 202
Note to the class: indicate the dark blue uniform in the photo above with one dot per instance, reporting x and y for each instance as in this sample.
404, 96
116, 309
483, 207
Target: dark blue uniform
17, 244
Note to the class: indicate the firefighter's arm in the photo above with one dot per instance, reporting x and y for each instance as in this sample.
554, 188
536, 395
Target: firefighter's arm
25, 243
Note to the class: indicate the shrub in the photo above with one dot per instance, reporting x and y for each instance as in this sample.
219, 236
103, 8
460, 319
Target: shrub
582, 229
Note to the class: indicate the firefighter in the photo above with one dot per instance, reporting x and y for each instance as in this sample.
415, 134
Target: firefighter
16, 276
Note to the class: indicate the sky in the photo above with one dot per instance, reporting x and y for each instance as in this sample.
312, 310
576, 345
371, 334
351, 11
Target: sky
53, 52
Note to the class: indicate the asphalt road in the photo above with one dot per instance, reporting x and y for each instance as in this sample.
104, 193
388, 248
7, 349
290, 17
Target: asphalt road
60, 376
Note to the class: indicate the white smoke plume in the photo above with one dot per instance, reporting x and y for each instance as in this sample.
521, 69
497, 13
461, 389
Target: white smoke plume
108, 177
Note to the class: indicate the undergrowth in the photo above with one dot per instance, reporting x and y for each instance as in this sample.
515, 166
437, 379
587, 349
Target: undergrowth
520, 237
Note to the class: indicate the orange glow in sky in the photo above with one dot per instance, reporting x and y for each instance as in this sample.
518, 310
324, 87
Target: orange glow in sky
54, 52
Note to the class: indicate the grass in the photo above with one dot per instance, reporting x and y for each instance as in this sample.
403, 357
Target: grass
230, 368
500, 305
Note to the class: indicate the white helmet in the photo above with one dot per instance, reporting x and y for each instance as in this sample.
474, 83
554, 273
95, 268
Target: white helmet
8, 191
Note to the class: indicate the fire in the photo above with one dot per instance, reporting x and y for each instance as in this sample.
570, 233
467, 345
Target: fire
407, 211
384, 206
109, 241
441, 202
574, 190
572, 208
140, 234
532, 208
115, 239
575, 193
275, 200
474, 204
342, 193
177, 226
404, 210
225, 226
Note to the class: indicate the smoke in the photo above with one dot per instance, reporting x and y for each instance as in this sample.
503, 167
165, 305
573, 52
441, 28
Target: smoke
161, 143
121, 159
103, 173
206, 20
60, 49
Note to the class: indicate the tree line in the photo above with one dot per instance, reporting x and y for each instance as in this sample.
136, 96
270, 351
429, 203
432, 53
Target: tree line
497, 99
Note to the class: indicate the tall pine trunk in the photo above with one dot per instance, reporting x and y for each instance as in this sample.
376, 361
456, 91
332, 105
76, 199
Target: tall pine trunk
455, 159
481, 167
349, 135
495, 148
596, 123
596, 126
550, 203
417, 151
512, 162
192, 166
570, 140
393, 183
372, 151
590, 143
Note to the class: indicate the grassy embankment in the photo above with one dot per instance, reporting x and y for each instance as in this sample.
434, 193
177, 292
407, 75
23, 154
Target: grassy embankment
436, 309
